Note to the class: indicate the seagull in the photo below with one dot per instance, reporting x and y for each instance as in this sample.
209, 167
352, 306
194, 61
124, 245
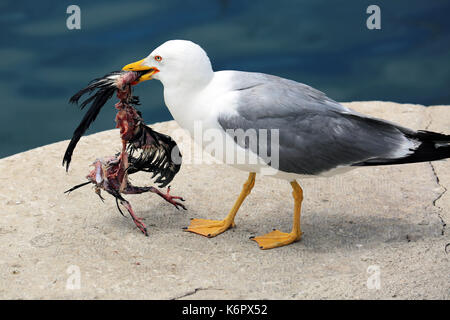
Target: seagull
316, 136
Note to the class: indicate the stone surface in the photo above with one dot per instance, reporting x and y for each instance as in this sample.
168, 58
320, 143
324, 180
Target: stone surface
390, 219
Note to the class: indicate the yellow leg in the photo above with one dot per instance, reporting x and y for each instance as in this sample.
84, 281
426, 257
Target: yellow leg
277, 238
211, 228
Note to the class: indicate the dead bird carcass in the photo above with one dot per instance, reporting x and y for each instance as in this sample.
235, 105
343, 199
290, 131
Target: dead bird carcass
143, 149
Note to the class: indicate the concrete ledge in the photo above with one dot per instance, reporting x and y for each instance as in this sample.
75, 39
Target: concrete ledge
390, 217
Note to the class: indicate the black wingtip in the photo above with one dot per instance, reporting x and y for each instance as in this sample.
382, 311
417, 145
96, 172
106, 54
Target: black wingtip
433, 146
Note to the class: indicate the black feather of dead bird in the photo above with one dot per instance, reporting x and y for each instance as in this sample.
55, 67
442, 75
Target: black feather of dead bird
105, 83
100, 99
77, 186
105, 87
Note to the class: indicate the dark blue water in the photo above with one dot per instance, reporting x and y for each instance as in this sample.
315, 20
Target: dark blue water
322, 43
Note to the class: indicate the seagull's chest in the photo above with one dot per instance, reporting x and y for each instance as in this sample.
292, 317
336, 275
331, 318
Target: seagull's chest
194, 111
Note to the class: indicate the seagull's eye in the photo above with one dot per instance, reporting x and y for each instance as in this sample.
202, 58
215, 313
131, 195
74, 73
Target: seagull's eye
158, 58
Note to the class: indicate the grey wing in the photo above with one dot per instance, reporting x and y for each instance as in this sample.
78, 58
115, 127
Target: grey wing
315, 133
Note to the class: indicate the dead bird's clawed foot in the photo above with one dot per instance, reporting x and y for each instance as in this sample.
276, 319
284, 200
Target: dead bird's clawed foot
171, 199
141, 225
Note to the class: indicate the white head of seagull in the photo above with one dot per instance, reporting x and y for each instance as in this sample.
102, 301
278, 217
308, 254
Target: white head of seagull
176, 63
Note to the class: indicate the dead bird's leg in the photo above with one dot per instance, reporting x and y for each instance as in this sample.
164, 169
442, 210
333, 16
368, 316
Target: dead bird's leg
98, 191
130, 189
169, 198
137, 221
123, 165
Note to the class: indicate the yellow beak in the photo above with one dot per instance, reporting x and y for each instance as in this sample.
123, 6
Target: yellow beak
139, 66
